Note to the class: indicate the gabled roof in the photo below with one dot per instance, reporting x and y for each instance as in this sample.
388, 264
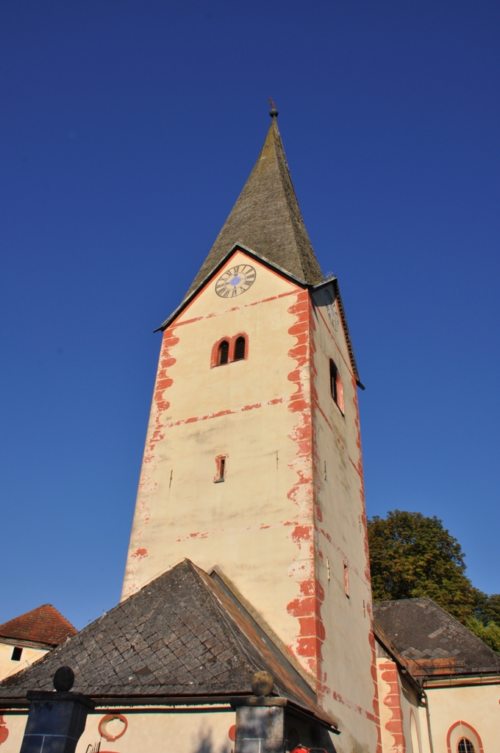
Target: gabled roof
267, 219
41, 625
431, 642
177, 637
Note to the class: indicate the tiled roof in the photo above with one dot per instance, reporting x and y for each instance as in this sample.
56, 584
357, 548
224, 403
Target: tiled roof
42, 625
178, 636
267, 219
431, 641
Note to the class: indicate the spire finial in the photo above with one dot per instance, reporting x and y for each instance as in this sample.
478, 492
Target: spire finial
273, 110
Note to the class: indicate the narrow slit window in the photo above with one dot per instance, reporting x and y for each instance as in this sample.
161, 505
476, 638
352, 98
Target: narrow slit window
223, 353
239, 348
16, 653
347, 589
336, 386
220, 469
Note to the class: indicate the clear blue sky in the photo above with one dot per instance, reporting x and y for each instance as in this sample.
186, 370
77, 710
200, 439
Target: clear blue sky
127, 130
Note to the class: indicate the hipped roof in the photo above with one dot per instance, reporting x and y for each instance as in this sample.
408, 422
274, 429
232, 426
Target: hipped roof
181, 636
430, 642
41, 625
267, 219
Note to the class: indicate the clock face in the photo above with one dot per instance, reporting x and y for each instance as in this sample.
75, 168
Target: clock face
235, 281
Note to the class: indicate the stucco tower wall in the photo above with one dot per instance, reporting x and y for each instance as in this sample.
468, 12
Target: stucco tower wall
347, 672
257, 525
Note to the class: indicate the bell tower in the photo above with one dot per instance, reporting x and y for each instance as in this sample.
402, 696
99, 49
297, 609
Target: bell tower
253, 457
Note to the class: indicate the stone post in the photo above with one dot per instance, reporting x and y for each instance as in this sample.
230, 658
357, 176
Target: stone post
56, 720
260, 721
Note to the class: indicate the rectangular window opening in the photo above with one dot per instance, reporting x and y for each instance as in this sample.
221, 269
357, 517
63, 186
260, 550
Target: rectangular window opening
16, 653
220, 469
346, 580
336, 387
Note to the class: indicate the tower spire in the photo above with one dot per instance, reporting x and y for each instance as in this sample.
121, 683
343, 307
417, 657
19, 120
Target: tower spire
266, 217
273, 110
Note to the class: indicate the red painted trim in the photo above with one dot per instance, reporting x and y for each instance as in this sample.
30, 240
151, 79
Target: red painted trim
472, 729
104, 722
306, 607
4, 730
232, 346
214, 358
392, 701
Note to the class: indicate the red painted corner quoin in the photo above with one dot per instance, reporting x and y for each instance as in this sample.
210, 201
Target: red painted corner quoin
306, 607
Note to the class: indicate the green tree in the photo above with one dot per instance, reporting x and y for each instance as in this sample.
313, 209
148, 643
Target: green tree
412, 555
488, 609
489, 632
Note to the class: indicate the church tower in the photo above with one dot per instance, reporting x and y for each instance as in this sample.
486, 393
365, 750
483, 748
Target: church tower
252, 461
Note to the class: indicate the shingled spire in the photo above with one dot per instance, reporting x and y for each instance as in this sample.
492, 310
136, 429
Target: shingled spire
266, 218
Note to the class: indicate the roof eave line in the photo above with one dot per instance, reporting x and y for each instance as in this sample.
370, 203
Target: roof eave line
214, 271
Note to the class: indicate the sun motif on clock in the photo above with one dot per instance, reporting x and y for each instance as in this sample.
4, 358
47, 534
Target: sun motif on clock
235, 281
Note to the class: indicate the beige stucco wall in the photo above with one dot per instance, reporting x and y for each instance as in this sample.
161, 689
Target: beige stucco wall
251, 525
476, 705
153, 729
342, 568
28, 656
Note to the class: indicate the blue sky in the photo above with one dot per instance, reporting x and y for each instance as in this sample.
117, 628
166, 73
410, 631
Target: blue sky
128, 128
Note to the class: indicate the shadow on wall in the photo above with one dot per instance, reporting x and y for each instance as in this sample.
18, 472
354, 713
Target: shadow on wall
205, 744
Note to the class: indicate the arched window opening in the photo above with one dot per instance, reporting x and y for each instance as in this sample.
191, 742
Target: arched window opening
223, 353
463, 738
336, 386
465, 746
239, 348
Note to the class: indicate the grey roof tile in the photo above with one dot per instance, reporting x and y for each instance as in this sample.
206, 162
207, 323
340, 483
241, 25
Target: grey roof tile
423, 632
267, 219
195, 641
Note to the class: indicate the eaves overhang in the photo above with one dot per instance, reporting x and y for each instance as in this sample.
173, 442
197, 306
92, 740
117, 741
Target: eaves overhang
236, 247
460, 680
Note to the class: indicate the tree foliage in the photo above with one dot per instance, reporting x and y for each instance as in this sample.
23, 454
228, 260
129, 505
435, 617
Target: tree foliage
413, 555
489, 632
488, 609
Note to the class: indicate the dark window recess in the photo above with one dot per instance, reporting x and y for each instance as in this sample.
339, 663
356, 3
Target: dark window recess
239, 349
336, 387
16, 653
223, 355
333, 380
465, 746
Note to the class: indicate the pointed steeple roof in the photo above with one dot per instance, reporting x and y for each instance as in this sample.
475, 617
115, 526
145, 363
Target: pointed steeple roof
267, 219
